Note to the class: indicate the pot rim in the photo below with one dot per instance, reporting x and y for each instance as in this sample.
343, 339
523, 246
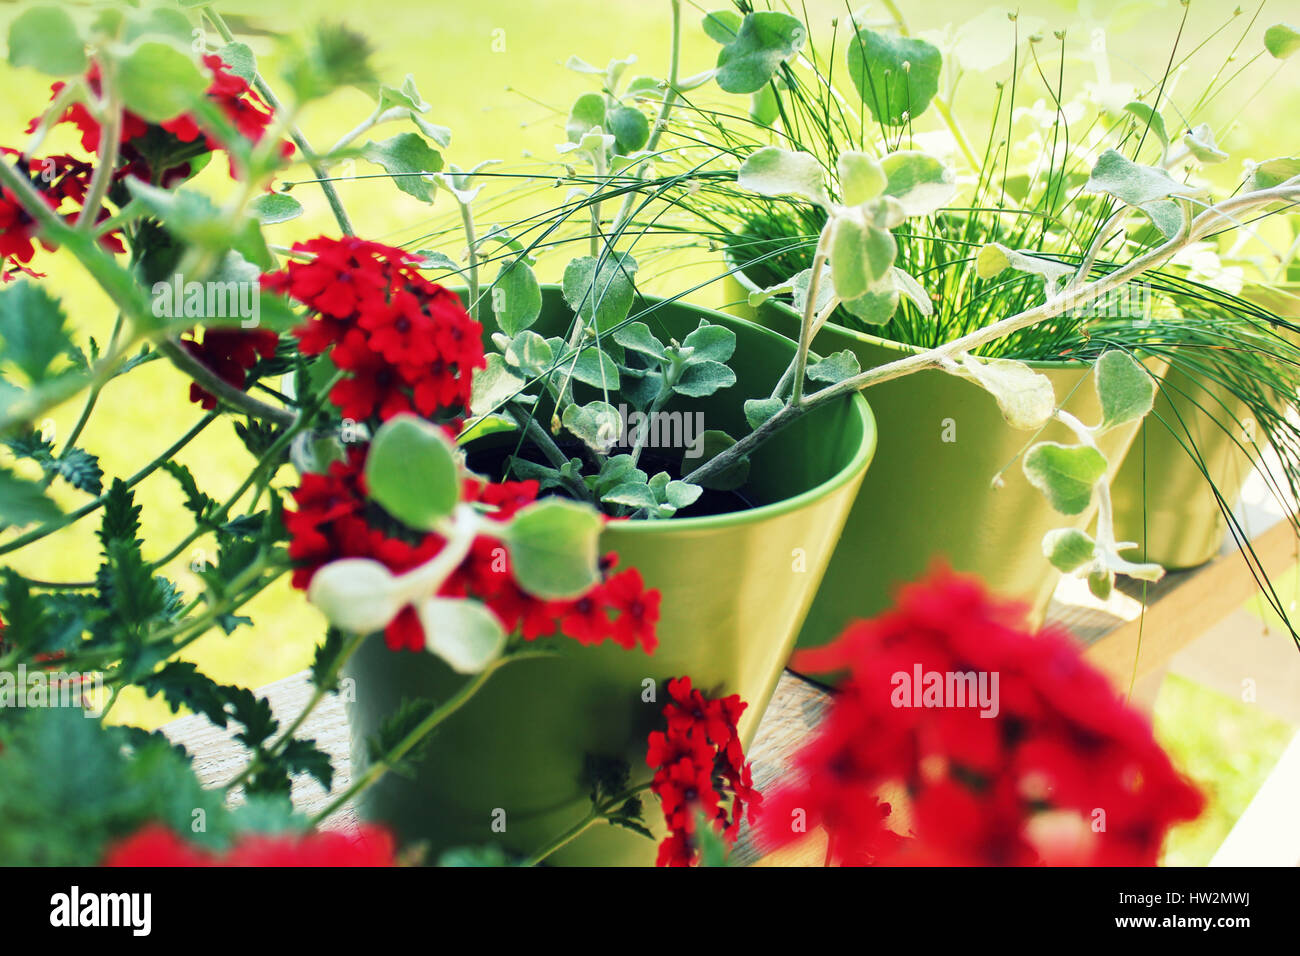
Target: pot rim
843, 476
749, 285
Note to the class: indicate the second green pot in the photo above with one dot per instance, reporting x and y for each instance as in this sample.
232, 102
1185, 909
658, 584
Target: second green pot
507, 768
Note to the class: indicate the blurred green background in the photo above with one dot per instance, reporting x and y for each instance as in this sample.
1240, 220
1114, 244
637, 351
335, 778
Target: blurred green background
493, 70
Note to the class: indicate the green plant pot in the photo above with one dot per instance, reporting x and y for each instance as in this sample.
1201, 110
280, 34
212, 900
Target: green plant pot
1162, 494
735, 588
929, 495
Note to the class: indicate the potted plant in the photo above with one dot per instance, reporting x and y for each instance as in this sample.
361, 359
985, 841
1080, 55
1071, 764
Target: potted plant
1037, 209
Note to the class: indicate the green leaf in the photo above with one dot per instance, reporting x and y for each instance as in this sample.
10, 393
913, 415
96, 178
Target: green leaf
1150, 118
637, 337
473, 856
405, 97
46, 39
411, 472
772, 171
464, 633
1200, 143
764, 108
616, 470
516, 297
876, 306
158, 82
722, 26
239, 60
597, 424
272, 208
1025, 397
704, 378
1281, 39
254, 713
409, 159
1129, 182
588, 113
1068, 549
182, 684
765, 41
591, 367
1273, 172
494, 386
304, 756
32, 329
324, 666
553, 547
861, 254
23, 502
759, 410
530, 353
861, 177
1066, 474
196, 502
834, 368
603, 295
681, 494
896, 77
1100, 583
993, 259
1126, 390
630, 127
921, 183
715, 343
633, 494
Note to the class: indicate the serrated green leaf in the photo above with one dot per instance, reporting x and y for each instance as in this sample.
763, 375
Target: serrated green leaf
32, 330
23, 502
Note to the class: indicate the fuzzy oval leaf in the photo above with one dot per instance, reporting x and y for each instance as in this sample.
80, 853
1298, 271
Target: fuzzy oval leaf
993, 259
1200, 143
876, 306
597, 424
772, 171
1068, 549
356, 594
1273, 172
835, 367
896, 77
588, 113
630, 127
1065, 474
704, 378
710, 342
1025, 397
271, 208
861, 177
158, 82
766, 39
463, 633
1129, 182
411, 471
721, 26
759, 410
861, 255
600, 291
921, 183
1151, 118
553, 547
1126, 390
46, 39
493, 386
516, 297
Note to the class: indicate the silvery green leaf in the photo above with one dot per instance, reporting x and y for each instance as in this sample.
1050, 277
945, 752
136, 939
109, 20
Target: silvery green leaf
772, 171
630, 127
1200, 143
407, 96
1131, 183
1282, 40
554, 546
358, 595
516, 297
1151, 118
493, 386
1273, 172
711, 342
861, 177
579, 65
921, 183
993, 259
1024, 396
681, 494
861, 253
632, 494
722, 26
600, 291
588, 113
877, 305
1127, 391
637, 337
463, 632
1065, 474
614, 471
908, 286
704, 378
1068, 549
409, 159
530, 353
896, 77
592, 366
272, 208
597, 424
759, 410
766, 40
436, 260
825, 290
835, 367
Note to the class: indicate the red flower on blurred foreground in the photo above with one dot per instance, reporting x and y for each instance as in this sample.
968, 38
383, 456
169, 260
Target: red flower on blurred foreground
1051, 767
698, 760
155, 845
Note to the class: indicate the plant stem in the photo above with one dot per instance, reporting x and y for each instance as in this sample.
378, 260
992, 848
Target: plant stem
313, 163
467, 219
806, 326
109, 139
231, 395
597, 813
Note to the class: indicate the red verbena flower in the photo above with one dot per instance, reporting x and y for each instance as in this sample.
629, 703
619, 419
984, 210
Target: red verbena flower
230, 353
1004, 746
406, 344
155, 845
698, 762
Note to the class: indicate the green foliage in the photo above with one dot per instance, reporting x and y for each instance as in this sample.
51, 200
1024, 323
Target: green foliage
1066, 474
32, 330
409, 159
158, 82
764, 41
46, 39
896, 77
553, 548
411, 472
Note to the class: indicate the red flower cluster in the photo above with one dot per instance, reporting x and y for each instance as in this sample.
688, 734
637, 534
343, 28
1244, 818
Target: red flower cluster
1050, 767
155, 845
697, 759
334, 520
230, 353
407, 344
140, 143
